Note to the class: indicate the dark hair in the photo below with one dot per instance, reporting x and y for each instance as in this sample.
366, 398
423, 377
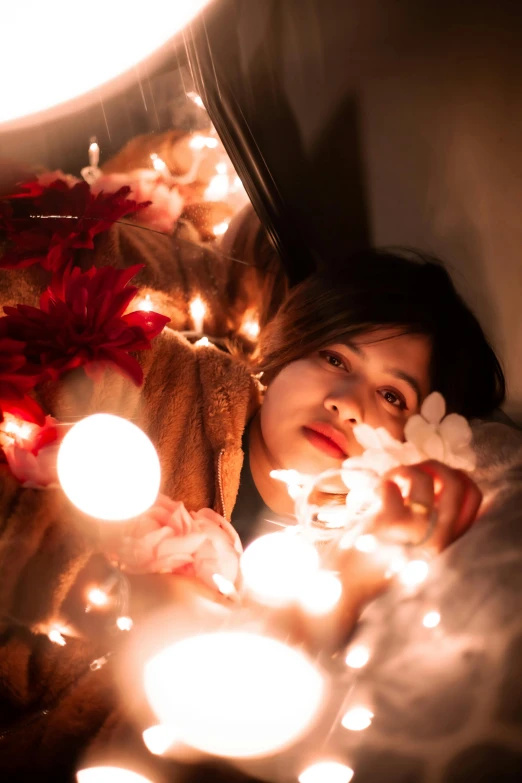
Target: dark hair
398, 289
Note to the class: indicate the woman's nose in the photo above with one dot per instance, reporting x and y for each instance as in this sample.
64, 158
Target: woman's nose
347, 407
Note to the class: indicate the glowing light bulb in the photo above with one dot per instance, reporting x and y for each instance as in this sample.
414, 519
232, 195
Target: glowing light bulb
55, 636
109, 775
124, 623
20, 429
109, 468
217, 189
414, 573
366, 543
145, 304
321, 593
158, 739
357, 719
221, 168
97, 597
196, 98
276, 567
203, 341
431, 619
224, 585
358, 656
198, 311
251, 328
326, 772
94, 153
234, 694
220, 228
158, 163
36, 89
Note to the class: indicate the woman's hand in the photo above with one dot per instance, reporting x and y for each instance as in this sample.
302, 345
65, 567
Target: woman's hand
428, 504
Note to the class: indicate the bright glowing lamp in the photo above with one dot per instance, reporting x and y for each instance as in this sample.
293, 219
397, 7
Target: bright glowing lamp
109, 468
109, 775
414, 573
358, 656
431, 619
63, 72
158, 739
357, 719
277, 567
234, 694
321, 593
326, 772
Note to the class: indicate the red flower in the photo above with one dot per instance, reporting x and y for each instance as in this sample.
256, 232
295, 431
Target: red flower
16, 379
81, 323
47, 223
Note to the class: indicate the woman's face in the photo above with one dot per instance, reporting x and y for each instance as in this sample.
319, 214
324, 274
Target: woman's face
312, 405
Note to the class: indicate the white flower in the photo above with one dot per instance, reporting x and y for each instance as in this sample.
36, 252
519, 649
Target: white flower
444, 438
429, 435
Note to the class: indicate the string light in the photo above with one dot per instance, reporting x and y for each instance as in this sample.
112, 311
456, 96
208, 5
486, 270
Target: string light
321, 593
19, 428
366, 543
358, 656
218, 188
109, 468
124, 623
198, 311
94, 153
55, 636
250, 327
277, 567
158, 164
158, 739
357, 719
196, 99
145, 304
220, 228
431, 619
221, 168
414, 573
97, 597
109, 775
233, 693
224, 585
203, 341
199, 142
326, 772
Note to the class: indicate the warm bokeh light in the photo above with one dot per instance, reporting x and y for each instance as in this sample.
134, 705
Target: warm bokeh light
109, 468
366, 543
277, 567
321, 593
55, 636
234, 694
224, 585
97, 597
199, 142
217, 189
357, 719
220, 228
414, 573
203, 341
326, 772
358, 656
196, 98
158, 164
158, 739
145, 304
30, 90
124, 623
250, 327
18, 428
109, 775
198, 311
431, 619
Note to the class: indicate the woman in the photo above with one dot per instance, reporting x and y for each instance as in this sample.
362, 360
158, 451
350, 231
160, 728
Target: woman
364, 346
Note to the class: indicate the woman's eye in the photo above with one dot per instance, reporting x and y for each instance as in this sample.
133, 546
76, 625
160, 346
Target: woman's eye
394, 399
332, 359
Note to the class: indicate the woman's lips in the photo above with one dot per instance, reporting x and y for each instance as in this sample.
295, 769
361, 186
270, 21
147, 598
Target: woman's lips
324, 443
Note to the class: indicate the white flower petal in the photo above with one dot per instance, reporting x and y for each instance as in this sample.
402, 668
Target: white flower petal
386, 440
462, 459
455, 431
418, 431
407, 454
433, 408
366, 436
433, 447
